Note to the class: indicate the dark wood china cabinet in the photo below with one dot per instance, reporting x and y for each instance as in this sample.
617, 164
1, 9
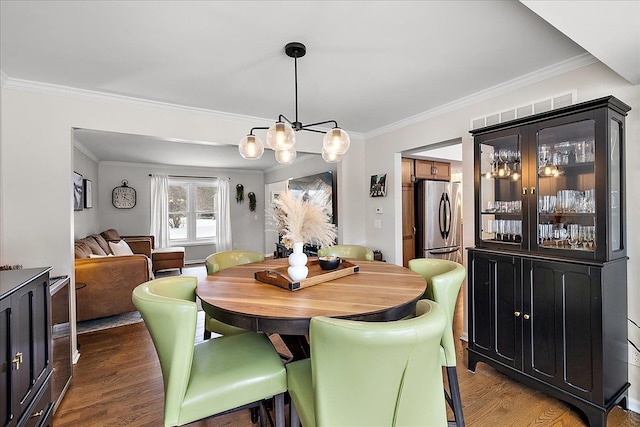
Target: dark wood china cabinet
547, 276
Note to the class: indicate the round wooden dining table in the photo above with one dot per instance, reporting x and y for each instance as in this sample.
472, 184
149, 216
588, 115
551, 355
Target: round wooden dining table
377, 292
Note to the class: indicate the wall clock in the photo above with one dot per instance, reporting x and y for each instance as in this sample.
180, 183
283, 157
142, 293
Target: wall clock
123, 197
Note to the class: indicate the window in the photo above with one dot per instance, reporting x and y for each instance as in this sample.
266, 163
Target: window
192, 211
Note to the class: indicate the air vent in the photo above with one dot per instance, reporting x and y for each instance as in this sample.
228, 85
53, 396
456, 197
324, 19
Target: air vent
539, 106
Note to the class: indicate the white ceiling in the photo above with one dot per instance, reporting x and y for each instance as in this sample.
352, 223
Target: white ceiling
369, 64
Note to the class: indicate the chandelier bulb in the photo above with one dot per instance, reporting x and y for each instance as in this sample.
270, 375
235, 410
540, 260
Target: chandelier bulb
336, 141
331, 157
281, 136
251, 147
286, 156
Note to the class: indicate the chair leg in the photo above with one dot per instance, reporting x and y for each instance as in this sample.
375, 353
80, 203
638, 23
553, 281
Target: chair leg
294, 419
456, 401
255, 415
263, 414
206, 335
279, 410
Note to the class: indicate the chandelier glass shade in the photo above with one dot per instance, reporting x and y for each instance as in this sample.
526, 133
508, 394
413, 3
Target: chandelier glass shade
286, 156
251, 147
281, 136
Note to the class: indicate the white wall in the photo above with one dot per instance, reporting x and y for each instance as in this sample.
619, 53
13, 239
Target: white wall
591, 82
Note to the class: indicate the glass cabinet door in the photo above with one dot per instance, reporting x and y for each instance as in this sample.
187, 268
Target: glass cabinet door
566, 188
499, 198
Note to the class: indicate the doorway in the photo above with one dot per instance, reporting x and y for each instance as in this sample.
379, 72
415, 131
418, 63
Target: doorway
441, 161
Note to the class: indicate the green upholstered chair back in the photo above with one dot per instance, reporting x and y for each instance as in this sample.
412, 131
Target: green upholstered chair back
169, 310
347, 251
379, 373
221, 260
444, 279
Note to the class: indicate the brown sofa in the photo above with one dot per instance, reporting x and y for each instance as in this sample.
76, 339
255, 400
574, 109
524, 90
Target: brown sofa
104, 284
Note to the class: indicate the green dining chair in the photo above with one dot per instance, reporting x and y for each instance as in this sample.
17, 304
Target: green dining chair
220, 261
211, 377
347, 251
444, 279
371, 373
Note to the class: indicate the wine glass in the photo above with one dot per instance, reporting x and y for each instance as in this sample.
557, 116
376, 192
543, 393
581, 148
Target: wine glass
574, 235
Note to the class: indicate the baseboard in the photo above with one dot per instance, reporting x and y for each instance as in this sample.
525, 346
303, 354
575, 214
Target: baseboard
634, 405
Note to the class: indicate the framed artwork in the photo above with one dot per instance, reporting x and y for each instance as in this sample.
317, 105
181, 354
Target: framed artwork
88, 194
378, 185
78, 192
274, 196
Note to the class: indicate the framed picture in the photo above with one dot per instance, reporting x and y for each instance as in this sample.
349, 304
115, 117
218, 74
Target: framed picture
78, 191
274, 196
88, 194
378, 185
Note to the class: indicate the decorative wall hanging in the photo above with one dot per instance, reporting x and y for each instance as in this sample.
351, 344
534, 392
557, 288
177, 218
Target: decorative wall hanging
78, 190
252, 201
239, 193
88, 194
378, 185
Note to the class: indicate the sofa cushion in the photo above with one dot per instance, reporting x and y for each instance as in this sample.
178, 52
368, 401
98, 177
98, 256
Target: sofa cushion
120, 248
111, 234
103, 243
82, 250
95, 247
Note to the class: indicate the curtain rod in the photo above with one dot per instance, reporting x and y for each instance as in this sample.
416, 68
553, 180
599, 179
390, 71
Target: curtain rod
188, 176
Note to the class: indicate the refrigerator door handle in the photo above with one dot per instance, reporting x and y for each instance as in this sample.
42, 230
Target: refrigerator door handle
447, 218
441, 214
442, 251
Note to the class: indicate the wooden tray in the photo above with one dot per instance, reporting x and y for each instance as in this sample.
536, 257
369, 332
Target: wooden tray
279, 276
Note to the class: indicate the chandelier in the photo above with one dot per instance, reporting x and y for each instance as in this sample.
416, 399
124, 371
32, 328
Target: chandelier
281, 135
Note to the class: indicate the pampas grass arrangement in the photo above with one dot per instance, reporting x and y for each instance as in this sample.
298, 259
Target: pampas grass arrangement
303, 220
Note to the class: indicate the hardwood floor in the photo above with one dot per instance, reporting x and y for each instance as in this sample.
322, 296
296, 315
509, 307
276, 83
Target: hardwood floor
117, 382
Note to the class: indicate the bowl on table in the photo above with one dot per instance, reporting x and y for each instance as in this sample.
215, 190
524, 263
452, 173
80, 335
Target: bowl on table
329, 262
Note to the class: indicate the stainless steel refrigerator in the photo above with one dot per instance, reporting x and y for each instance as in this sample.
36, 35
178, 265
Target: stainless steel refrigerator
438, 220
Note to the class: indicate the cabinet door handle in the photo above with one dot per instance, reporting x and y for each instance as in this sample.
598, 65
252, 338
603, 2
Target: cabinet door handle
526, 317
37, 414
17, 360
517, 314
533, 190
524, 191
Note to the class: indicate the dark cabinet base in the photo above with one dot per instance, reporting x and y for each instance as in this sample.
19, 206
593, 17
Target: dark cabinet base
596, 415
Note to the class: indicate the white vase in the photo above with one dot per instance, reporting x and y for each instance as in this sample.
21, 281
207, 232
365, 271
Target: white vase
298, 263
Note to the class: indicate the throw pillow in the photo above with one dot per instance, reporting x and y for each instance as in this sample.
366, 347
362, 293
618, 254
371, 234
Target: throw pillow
82, 250
95, 247
120, 248
99, 256
102, 242
110, 234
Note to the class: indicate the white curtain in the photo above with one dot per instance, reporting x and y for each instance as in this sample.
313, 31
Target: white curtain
223, 221
160, 210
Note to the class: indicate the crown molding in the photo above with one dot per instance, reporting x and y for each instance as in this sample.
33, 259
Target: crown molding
91, 95
195, 169
84, 150
563, 67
